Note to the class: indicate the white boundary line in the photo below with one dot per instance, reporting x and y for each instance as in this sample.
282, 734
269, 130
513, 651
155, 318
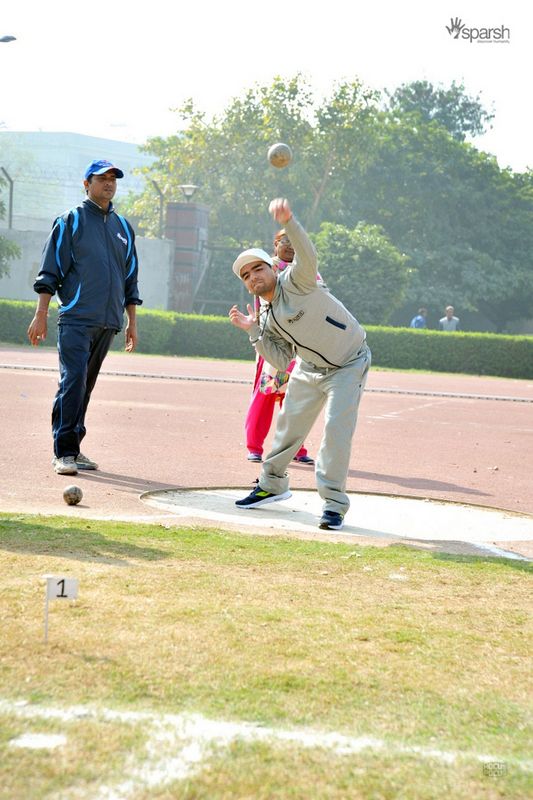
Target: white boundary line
178, 744
247, 382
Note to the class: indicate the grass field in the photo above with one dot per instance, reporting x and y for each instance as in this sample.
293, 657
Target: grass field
346, 671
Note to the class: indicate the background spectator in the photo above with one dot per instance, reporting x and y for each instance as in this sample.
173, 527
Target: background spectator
420, 320
449, 322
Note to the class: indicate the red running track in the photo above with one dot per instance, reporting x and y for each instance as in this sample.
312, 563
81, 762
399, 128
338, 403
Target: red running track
149, 433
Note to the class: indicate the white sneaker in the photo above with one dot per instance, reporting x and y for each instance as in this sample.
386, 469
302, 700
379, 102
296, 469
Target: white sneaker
82, 462
65, 465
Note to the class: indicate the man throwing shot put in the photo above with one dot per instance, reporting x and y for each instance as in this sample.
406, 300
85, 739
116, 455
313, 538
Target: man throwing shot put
300, 317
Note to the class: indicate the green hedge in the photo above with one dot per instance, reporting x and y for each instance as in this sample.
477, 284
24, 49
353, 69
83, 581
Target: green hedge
162, 332
170, 333
471, 353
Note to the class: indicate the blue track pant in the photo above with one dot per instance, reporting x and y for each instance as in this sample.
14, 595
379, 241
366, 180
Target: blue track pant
82, 350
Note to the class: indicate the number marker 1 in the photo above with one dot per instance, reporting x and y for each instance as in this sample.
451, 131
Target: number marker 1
58, 588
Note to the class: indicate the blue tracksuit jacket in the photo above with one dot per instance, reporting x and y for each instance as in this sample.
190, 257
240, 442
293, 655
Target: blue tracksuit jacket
90, 260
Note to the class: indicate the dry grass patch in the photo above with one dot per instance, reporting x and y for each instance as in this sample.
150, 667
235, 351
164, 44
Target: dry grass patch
94, 752
394, 643
266, 772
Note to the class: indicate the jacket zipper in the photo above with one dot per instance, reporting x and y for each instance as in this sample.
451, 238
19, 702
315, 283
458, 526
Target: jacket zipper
109, 271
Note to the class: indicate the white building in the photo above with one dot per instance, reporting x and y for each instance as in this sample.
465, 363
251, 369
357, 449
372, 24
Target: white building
47, 170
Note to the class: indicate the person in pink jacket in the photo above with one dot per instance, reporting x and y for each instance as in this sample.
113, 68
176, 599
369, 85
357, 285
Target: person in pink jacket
270, 384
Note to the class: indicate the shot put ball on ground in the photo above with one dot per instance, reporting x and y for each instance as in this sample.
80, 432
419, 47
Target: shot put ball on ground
72, 495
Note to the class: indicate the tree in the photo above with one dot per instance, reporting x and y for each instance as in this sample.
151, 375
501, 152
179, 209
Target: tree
363, 269
464, 224
452, 108
226, 157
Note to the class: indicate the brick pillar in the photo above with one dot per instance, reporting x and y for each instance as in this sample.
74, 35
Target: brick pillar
187, 225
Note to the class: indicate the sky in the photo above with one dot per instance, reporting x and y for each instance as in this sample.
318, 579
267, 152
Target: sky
116, 69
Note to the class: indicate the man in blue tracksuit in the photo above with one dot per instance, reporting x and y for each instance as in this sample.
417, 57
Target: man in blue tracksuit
90, 260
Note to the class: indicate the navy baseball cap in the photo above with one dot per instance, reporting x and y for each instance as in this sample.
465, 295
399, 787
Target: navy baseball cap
100, 167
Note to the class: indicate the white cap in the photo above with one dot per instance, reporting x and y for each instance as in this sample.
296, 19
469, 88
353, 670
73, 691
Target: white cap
248, 257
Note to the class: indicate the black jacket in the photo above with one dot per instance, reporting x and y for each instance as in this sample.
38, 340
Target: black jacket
90, 260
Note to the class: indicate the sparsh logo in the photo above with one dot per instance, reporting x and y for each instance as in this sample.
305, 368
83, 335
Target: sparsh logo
458, 30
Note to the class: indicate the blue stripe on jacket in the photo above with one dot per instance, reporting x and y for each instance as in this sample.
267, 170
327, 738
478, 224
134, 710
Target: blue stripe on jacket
73, 301
75, 220
127, 230
133, 260
61, 224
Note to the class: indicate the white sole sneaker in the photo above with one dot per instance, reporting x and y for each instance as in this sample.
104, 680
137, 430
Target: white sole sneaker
327, 525
274, 498
64, 469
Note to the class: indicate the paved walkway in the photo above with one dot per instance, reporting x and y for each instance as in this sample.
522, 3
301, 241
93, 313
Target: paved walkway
176, 423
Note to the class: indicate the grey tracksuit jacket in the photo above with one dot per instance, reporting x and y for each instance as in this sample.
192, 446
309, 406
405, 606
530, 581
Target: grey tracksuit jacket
303, 317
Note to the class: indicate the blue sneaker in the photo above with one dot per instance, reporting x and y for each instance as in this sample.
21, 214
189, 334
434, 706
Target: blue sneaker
331, 521
258, 497
304, 460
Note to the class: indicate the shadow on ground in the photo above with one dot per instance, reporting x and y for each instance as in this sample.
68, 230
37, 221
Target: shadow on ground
80, 542
115, 479
423, 484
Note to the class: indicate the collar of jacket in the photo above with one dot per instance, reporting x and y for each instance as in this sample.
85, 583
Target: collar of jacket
95, 208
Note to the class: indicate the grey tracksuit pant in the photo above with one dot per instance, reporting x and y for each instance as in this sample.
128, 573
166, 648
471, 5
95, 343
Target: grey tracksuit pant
309, 389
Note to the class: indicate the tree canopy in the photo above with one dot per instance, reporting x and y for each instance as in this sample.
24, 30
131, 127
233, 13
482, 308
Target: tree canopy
461, 224
451, 107
363, 268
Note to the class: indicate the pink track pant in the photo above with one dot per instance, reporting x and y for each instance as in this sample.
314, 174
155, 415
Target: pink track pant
260, 413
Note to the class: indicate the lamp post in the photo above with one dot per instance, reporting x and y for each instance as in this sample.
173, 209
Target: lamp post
188, 190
